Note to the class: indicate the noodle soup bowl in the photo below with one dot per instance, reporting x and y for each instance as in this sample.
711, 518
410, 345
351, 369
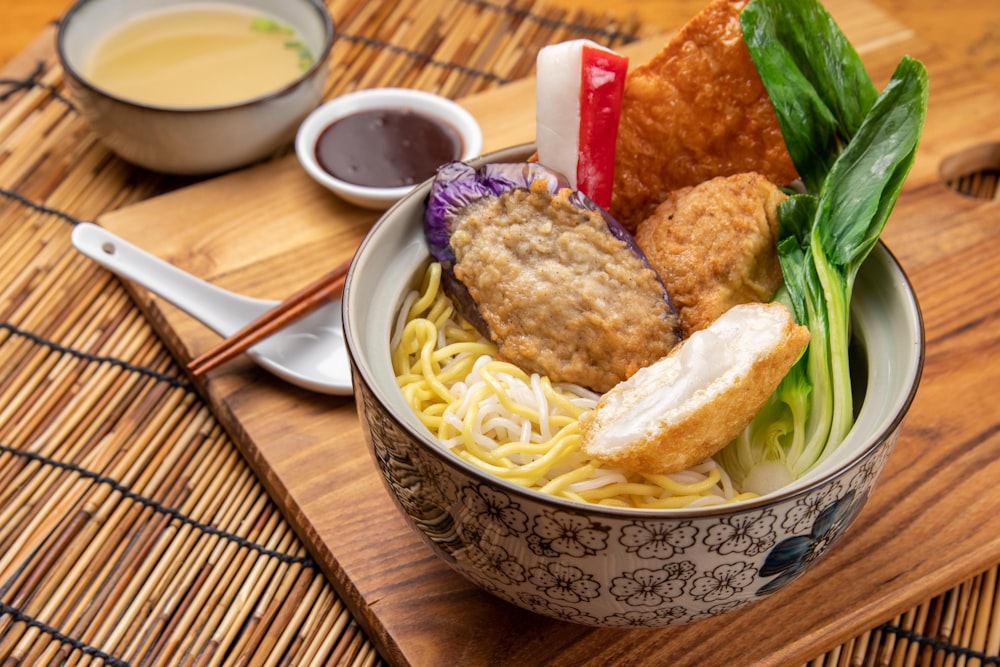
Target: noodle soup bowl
194, 140
608, 566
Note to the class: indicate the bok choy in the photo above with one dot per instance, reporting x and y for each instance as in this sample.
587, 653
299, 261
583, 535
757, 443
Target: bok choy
853, 149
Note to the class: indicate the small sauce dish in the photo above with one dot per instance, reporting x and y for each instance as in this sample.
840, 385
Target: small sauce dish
372, 147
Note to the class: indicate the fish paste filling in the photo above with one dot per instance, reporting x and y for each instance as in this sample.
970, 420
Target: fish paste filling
561, 295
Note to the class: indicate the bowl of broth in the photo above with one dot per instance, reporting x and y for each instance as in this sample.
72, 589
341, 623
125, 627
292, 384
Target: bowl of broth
587, 557
194, 87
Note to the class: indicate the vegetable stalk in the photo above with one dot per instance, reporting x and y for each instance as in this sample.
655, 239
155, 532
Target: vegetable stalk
853, 150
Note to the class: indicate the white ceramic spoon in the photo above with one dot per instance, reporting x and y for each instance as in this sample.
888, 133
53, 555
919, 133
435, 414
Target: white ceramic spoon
309, 352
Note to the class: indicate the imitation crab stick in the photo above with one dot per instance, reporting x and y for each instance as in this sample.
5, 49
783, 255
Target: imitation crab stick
579, 90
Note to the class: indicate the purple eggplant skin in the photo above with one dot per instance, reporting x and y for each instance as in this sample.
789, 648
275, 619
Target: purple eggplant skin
455, 186
458, 185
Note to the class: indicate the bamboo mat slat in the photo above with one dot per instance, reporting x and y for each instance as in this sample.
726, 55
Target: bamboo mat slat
131, 529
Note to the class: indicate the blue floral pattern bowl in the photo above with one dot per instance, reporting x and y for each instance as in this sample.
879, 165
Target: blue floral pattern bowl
614, 567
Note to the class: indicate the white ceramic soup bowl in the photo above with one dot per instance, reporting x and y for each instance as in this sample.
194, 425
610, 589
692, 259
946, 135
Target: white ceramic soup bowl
603, 566
194, 140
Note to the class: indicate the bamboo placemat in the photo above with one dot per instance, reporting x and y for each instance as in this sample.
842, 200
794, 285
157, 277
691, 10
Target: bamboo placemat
131, 530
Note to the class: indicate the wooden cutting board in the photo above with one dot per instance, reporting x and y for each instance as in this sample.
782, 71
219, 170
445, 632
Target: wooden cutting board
932, 522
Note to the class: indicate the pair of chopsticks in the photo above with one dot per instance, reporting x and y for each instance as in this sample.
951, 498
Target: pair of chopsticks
294, 307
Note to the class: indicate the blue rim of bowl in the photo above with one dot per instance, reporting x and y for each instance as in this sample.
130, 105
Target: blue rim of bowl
449, 459
321, 61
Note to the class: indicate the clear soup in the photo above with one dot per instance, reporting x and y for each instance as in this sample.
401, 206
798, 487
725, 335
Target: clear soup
196, 56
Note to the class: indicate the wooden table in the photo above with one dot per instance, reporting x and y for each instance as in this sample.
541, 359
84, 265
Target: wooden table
905, 547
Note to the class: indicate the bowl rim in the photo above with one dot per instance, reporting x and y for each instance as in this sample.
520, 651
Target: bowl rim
792, 491
321, 60
340, 106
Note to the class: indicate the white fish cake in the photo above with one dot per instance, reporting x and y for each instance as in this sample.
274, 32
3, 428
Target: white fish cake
687, 406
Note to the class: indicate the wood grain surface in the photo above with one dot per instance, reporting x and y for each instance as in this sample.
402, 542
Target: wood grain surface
931, 523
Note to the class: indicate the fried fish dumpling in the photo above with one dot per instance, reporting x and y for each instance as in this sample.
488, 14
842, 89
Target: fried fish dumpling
715, 246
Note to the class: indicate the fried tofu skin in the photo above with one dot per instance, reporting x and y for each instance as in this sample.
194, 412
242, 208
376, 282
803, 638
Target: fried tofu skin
715, 246
697, 110
686, 407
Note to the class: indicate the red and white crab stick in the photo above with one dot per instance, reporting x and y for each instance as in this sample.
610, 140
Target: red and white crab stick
579, 90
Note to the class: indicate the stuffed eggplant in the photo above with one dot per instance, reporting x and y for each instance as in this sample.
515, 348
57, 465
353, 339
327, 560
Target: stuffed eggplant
546, 274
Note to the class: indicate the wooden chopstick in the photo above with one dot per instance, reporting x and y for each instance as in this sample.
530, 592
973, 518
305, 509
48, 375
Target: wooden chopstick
294, 307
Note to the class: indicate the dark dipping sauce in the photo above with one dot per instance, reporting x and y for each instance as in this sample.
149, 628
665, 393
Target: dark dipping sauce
387, 148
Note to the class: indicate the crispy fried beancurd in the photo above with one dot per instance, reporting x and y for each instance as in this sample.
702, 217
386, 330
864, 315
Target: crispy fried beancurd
515, 425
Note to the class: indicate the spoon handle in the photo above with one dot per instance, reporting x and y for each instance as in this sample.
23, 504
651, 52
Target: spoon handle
220, 310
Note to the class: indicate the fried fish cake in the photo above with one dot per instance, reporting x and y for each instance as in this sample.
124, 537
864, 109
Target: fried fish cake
697, 110
687, 406
715, 246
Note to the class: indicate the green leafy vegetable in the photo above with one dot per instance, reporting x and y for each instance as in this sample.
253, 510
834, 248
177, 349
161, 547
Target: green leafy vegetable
270, 25
853, 148
816, 81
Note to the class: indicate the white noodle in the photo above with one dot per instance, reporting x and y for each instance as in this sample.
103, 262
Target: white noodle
494, 426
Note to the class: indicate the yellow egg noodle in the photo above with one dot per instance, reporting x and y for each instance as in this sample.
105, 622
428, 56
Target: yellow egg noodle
518, 426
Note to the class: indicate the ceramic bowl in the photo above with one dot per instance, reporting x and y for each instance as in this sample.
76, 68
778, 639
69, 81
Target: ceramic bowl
603, 566
193, 140
380, 198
